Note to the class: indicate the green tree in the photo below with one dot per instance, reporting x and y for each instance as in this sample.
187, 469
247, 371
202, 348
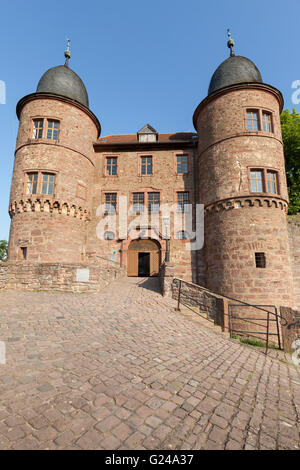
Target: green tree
3, 250
290, 124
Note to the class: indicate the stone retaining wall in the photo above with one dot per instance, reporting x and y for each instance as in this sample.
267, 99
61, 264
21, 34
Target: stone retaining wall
192, 295
55, 276
290, 328
294, 239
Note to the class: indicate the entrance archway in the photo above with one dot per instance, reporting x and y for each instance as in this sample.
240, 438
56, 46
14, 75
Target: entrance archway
143, 258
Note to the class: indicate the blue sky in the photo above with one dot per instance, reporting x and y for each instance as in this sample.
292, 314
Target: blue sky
140, 61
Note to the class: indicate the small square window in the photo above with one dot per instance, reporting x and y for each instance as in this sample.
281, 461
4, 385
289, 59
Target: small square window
267, 121
111, 166
48, 184
252, 120
24, 252
53, 129
272, 182
182, 201
256, 179
182, 164
153, 202
138, 200
260, 260
146, 165
110, 203
38, 125
32, 179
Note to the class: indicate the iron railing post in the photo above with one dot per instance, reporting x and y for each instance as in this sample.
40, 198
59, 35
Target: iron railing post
278, 331
267, 344
179, 295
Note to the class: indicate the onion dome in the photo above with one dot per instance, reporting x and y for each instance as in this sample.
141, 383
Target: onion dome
63, 81
234, 70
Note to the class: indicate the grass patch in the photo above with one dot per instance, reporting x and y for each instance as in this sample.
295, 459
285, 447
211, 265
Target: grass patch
254, 342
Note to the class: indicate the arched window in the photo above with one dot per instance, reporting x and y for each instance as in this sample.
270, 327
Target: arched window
109, 236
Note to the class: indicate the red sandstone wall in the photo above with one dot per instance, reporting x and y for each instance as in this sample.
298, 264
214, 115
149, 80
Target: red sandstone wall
164, 180
53, 226
226, 149
294, 239
233, 235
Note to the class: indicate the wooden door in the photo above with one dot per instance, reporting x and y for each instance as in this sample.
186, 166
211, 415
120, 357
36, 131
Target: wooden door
132, 264
154, 263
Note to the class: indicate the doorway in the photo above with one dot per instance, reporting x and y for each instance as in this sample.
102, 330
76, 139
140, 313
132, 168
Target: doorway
143, 258
144, 264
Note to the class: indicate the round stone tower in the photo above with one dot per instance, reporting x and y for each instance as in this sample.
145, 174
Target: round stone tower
242, 184
50, 200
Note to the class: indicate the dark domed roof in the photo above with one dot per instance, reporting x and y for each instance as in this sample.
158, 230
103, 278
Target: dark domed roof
235, 69
61, 80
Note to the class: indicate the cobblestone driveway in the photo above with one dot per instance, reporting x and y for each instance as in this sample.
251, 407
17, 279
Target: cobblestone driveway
123, 370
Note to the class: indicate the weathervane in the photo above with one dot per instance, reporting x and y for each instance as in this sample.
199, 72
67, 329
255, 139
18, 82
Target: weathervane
67, 53
230, 43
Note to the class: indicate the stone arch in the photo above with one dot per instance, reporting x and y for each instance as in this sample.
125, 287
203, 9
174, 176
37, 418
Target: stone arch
144, 257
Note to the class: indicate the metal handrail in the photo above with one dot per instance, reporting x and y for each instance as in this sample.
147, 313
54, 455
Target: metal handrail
230, 298
241, 303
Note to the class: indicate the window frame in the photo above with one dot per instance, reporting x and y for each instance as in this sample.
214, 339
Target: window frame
134, 211
256, 111
260, 260
159, 202
183, 210
48, 183
33, 128
265, 171
40, 172
106, 193
53, 129
105, 172
140, 164
45, 120
27, 182
260, 121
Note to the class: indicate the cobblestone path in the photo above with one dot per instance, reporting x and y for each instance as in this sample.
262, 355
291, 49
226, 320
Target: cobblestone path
123, 370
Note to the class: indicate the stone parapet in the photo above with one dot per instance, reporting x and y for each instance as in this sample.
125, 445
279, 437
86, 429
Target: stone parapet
57, 276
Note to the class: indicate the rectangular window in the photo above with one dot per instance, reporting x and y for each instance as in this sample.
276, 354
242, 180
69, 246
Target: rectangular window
256, 178
182, 164
182, 201
111, 166
153, 202
138, 200
32, 179
260, 260
48, 181
110, 203
252, 120
267, 122
146, 165
24, 252
272, 182
38, 125
53, 129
